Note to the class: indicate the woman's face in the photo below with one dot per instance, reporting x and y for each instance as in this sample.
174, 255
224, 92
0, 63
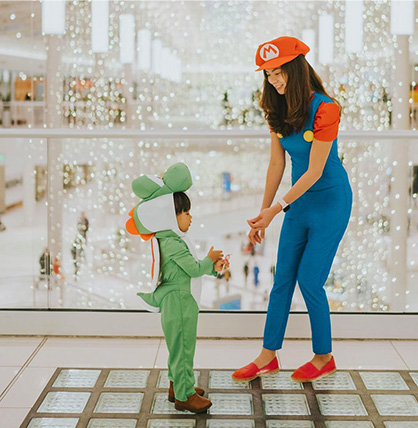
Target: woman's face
277, 79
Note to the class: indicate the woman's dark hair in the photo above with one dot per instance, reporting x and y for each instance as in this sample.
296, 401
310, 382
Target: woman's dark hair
181, 202
289, 112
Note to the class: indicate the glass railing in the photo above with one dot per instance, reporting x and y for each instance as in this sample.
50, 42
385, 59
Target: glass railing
66, 195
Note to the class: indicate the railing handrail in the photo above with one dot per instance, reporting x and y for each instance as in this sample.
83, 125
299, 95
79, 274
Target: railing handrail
186, 133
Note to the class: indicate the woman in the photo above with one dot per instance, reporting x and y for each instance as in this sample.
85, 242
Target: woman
303, 121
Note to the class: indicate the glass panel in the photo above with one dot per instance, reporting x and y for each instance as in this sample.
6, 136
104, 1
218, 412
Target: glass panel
223, 380
24, 272
64, 402
280, 380
127, 379
341, 405
119, 402
112, 423
382, 380
395, 424
285, 404
77, 378
290, 424
99, 264
230, 424
338, 380
400, 405
161, 405
53, 423
414, 376
171, 423
349, 424
231, 404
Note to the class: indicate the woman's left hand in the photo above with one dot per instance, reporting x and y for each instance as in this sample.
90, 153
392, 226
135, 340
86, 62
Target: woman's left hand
263, 219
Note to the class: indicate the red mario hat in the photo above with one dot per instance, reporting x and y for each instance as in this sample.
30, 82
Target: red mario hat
279, 51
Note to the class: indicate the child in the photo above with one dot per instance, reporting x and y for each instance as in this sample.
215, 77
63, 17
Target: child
165, 212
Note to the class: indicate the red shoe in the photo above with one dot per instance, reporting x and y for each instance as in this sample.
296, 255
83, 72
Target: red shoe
308, 372
251, 371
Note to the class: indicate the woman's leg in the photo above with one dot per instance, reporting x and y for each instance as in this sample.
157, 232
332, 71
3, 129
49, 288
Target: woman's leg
292, 242
325, 234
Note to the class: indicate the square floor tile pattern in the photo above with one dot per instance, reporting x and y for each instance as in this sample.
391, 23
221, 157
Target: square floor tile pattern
382, 380
127, 379
53, 423
290, 424
119, 402
396, 405
341, 405
64, 402
163, 423
135, 398
349, 424
77, 379
280, 380
112, 423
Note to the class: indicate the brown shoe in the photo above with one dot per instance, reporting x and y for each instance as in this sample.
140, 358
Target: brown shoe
172, 398
195, 404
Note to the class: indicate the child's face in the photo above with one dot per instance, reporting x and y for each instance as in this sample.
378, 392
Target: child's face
184, 220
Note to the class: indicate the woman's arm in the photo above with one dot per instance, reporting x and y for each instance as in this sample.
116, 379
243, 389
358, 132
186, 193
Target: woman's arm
274, 176
275, 171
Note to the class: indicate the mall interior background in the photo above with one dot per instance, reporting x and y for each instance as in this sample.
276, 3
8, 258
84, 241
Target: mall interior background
166, 67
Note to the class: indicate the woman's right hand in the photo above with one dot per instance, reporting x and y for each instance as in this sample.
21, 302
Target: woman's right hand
256, 236
215, 255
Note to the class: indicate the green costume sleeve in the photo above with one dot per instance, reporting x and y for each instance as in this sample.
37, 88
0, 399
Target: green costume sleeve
183, 258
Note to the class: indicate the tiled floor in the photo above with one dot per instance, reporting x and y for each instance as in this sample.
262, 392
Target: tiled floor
26, 364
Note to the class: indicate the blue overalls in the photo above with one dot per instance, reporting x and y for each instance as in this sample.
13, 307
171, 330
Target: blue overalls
312, 230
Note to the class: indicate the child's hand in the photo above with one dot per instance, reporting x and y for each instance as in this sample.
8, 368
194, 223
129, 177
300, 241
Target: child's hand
215, 255
221, 265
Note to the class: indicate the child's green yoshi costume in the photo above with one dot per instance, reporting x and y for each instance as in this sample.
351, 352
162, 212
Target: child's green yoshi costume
175, 273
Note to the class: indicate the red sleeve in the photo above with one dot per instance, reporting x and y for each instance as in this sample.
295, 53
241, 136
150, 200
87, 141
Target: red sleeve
326, 122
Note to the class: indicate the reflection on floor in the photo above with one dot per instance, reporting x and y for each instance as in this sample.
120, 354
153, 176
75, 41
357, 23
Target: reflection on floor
27, 364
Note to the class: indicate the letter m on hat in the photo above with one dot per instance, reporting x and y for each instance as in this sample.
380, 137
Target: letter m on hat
269, 51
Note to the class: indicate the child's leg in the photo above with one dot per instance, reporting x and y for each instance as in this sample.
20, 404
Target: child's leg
179, 313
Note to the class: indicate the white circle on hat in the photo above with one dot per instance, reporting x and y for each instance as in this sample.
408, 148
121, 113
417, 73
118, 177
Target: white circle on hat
269, 51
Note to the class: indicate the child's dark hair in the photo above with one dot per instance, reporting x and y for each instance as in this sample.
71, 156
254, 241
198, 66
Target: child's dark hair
181, 202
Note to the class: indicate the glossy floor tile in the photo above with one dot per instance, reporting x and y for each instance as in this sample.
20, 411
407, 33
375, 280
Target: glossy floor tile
86, 352
28, 387
223, 354
15, 351
6, 376
370, 355
12, 417
408, 351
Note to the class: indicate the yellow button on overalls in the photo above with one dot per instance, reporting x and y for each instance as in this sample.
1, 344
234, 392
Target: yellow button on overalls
308, 136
